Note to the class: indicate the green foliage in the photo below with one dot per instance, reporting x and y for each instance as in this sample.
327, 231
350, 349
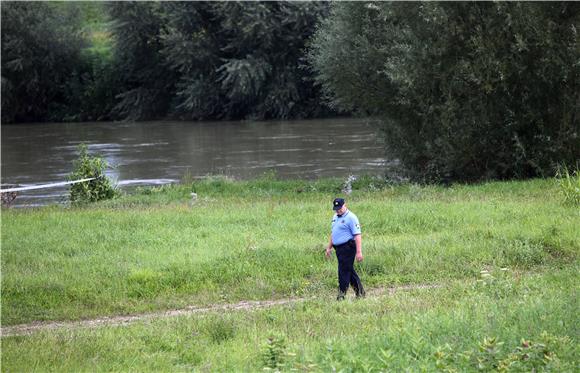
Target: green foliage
466, 91
366, 182
56, 63
203, 60
79, 61
569, 185
146, 83
90, 167
486, 357
267, 185
495, 284
99, 86
220, 329
529, 356
273, 352
40, 59
165, 254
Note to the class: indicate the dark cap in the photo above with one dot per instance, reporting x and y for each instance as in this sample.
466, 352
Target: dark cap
337, 204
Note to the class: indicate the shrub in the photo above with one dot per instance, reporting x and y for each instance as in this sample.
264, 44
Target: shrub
90, 167
465, 91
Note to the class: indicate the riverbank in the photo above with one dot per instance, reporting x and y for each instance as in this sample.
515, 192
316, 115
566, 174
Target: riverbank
157, 249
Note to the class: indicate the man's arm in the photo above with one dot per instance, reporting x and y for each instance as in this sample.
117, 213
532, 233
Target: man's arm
356, 232
329, 248
358, 241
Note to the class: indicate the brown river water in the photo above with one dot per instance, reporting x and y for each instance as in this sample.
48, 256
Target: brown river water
162, 152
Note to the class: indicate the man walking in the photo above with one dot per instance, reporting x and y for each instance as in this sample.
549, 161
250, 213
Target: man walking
345, 237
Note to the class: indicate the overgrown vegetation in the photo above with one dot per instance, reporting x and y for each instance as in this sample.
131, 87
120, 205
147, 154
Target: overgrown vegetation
505, 255
466, 91
146, 60
262, 240
216, 60
455, 328
569, 183
87, 167
41, 55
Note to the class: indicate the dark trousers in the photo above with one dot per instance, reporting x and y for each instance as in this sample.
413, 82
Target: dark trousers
345, 254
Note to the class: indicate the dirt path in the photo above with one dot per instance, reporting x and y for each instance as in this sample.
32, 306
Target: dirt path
30, 328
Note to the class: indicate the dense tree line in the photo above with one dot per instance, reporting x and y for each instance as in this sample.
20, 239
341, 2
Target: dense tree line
51, 69
190, 60
466, 90
200, 60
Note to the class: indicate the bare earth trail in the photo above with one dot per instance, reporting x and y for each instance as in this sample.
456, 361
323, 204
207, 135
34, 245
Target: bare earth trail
37, 326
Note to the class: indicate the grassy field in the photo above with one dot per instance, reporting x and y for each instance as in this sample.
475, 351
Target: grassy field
264, 239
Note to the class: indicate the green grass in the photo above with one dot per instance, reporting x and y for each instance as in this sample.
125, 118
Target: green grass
569, 183
265, 239
115, 258
424, 330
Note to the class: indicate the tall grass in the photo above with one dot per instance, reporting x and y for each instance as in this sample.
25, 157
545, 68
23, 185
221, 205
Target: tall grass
512, 322
256, 240
504, 253
569, 185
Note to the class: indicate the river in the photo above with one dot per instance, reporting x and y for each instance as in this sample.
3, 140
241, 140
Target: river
162, 152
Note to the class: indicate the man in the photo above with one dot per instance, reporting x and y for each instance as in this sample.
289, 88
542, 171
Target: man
345, 237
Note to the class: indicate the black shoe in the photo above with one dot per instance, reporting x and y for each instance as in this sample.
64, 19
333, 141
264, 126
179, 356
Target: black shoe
340, 296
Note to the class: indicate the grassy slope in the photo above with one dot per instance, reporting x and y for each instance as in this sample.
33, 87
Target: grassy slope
265, 239
69, 264
422, 330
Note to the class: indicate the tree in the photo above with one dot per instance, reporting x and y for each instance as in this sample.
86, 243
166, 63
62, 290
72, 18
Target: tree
40, 53
190, 60
262, 49
212, 60
465, 90
146, 83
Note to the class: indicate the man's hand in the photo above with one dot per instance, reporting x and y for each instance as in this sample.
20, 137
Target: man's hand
328, 250
358, 240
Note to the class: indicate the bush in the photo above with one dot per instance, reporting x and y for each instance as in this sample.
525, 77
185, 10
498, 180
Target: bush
90, 167
465, 91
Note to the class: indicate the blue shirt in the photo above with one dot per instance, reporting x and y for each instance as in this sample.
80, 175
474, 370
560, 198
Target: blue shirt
344, 228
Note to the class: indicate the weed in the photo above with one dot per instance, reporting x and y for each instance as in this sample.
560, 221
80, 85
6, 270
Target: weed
273, 352
524, 253
496, 283
488, 352
569, 185
450, 333
220, 329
